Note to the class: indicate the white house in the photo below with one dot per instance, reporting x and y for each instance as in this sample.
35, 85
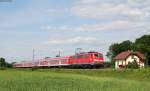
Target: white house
122, 59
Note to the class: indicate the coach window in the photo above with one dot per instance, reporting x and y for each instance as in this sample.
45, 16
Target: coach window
73, 56
76, 56
54, 60
64, 60
82, 56
85, 56
98, 55
79, 56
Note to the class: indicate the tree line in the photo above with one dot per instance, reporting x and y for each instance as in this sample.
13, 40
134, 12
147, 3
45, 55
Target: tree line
141, 44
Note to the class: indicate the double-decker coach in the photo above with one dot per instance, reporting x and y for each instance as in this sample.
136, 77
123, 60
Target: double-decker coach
24, 64
58, 61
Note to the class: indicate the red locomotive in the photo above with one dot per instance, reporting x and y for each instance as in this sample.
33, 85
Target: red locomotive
80, 59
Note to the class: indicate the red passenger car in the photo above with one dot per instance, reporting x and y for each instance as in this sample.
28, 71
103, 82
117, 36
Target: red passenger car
58, 61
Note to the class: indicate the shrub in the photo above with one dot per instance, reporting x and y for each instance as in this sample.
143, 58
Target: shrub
133, 65
107, 64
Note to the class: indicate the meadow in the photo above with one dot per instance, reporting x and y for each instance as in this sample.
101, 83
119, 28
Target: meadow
74, 80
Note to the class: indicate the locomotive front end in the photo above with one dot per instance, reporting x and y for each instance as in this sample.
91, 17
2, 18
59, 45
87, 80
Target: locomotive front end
98, 59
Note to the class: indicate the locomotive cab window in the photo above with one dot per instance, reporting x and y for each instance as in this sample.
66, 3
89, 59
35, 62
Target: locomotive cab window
98, 55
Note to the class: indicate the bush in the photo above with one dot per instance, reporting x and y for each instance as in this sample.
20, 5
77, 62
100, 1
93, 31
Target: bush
133, 65
107, 64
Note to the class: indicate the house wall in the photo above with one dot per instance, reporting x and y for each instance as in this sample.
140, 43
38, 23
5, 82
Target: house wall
119, 62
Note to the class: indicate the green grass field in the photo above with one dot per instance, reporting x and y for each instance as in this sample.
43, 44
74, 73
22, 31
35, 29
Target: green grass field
74, 80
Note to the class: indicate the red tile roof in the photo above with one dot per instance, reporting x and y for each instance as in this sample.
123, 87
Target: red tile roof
124, 55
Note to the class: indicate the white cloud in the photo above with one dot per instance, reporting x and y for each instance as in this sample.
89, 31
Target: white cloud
75, 40
60, 28
106, 26
137, 3
128, 10
114, 25
119, 25
88, 1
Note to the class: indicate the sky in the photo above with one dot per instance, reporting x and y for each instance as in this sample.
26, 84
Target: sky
49, 26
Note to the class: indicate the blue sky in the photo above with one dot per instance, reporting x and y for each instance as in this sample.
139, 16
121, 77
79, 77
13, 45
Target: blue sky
52, 25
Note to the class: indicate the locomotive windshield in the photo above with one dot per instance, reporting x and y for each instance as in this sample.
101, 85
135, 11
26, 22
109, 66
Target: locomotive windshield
98, 55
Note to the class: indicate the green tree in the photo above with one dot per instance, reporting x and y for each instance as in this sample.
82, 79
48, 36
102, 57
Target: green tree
2, 63
142, 44
117, 48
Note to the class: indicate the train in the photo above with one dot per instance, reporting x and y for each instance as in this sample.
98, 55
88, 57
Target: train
85, 59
